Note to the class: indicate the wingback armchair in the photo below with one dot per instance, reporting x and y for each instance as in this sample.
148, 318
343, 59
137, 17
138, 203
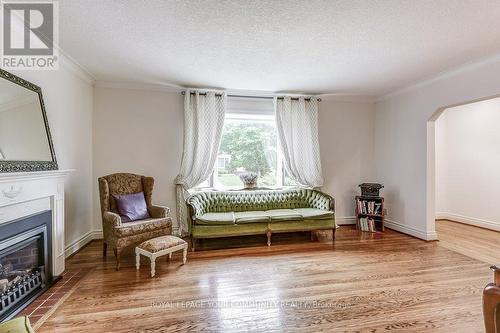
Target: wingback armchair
119, 235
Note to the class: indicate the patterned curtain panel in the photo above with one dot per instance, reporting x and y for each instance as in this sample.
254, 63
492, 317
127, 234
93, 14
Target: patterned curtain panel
203, 122
297, 123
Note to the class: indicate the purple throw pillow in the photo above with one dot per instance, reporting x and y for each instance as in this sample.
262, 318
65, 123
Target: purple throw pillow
132, 207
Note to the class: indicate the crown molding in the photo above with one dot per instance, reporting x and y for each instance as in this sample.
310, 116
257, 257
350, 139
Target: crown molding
170, 87
251, 93
265, 93
74, 67
441, 76
139, 86
167, 87
341, 97
351, 98
65, 60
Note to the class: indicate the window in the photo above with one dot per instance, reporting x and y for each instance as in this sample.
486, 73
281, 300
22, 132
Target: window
249, 144
223, 161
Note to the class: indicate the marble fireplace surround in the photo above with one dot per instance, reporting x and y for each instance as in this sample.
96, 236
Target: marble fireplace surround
26, 193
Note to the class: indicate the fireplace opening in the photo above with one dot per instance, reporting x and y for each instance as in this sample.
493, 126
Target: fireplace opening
24, 263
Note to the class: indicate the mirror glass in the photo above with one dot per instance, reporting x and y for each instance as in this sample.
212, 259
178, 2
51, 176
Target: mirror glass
23, 136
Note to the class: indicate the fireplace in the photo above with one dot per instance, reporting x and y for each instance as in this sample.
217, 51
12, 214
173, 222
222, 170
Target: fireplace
25, 262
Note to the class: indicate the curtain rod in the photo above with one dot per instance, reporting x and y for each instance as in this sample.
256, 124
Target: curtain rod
259, 97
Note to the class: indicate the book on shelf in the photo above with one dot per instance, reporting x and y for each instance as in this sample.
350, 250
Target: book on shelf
368, 207
367, 224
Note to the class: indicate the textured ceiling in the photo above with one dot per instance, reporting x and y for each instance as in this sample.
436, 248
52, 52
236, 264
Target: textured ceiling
354, 47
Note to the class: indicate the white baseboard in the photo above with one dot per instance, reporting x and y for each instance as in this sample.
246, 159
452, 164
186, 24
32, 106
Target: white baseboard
422, 234
345, 220
97, 234
82, 241
468, 220
78, 244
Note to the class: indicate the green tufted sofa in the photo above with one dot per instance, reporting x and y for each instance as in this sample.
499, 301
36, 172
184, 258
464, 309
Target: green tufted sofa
215, 214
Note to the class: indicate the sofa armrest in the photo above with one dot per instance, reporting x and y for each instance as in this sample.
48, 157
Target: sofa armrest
331, 202
112, 219
191, 217
159, 211
322, 200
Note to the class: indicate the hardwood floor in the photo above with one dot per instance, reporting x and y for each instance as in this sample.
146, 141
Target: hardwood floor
364, 283
475, 242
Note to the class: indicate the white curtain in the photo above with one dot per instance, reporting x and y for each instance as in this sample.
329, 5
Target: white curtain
203, 122
297, 123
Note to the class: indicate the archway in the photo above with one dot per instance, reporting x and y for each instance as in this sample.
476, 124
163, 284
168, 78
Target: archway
476, 111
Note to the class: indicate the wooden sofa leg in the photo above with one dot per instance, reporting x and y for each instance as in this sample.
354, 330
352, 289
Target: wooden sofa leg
117, 255
333, 235
193, 244
104, 249
268, 233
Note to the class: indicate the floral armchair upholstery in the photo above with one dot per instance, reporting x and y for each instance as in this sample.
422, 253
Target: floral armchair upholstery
119, 235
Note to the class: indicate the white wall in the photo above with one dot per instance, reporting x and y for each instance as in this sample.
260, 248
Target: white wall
441, 164
347, 151
468, 163
141, 131
68, 99
401, 141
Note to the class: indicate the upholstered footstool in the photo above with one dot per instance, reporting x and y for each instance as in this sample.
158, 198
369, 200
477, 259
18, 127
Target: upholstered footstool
160, 246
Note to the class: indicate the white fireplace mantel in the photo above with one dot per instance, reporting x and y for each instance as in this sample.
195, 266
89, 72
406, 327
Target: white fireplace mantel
26, 193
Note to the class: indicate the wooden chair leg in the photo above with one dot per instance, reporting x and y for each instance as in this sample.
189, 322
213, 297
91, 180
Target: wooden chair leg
268, 233
137, 260
153, 266
184, 254
104, 249
117, 255
193, 243
491, 300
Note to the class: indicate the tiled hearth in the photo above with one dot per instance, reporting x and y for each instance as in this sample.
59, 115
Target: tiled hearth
52, 298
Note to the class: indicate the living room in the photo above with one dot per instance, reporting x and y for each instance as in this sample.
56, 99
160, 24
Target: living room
234, 137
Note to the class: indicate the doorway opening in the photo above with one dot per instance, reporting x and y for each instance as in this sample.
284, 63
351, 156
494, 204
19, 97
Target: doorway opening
463, 164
